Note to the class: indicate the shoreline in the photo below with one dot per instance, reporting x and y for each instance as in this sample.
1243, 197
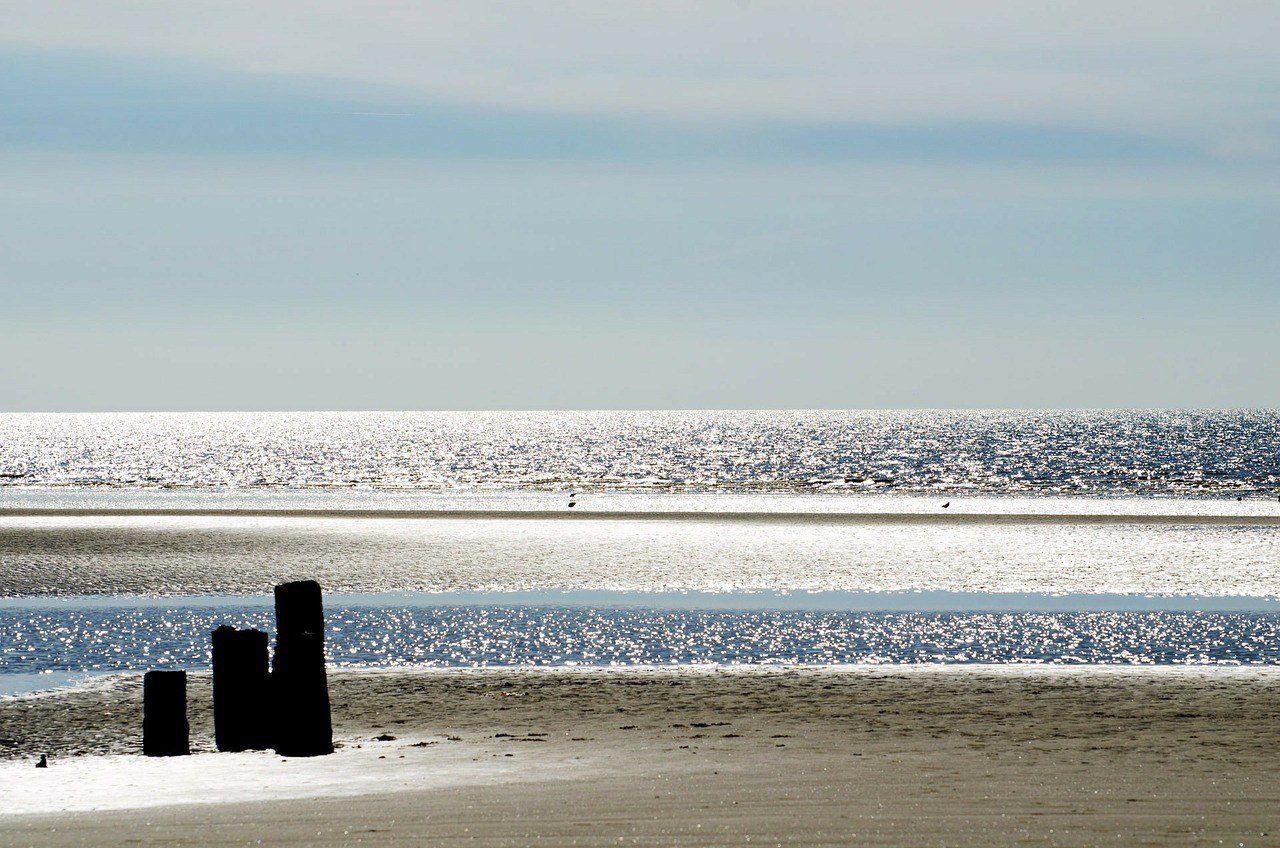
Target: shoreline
875, 601
107, 679
898, 755
681, 516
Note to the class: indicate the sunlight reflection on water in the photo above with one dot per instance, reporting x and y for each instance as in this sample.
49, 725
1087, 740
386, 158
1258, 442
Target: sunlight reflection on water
116, 638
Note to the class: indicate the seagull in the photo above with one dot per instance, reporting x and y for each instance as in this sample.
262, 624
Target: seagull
947, 504
44, 762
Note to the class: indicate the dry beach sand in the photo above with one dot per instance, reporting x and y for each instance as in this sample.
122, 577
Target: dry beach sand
862, 756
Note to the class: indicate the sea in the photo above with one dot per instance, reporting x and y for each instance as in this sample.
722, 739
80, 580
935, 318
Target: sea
623, 538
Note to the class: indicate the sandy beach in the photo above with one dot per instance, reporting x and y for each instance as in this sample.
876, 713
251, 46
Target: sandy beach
725, 423
951, 756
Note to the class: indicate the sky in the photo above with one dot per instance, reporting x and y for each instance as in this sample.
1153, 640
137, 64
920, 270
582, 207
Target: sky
544, 205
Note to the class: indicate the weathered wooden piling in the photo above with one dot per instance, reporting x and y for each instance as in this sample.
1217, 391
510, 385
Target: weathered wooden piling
300, 691
241, 690
165, 732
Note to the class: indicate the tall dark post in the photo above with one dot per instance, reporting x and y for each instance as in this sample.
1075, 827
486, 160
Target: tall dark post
165, 732
241, 690
301, 692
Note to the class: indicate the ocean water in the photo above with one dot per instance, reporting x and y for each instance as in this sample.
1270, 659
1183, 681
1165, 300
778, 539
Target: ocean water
127, 638
693, 537
1156, 452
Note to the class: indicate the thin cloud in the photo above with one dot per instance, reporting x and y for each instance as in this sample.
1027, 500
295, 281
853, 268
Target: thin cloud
1195, 72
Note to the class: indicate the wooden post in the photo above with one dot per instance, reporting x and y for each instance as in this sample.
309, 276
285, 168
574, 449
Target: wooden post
165, 732
241, 690
299, 687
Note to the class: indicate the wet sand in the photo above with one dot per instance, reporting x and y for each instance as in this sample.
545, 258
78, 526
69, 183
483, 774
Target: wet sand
788, 518
704, 757
238, 554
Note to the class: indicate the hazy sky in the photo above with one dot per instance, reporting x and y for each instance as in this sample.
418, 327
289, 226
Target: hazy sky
287, 205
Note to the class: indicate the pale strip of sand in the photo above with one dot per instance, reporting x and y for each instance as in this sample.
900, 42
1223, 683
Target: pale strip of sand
940, 517
684, 756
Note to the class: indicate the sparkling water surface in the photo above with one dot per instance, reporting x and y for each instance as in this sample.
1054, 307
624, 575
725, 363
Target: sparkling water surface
996, 537
99, 639
1083, 452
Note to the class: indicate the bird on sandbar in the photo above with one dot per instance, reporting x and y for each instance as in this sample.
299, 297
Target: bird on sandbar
44, 762
947, 504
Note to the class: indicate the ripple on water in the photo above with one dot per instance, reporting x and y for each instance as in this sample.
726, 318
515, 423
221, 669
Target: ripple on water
117, 639
1064, 451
